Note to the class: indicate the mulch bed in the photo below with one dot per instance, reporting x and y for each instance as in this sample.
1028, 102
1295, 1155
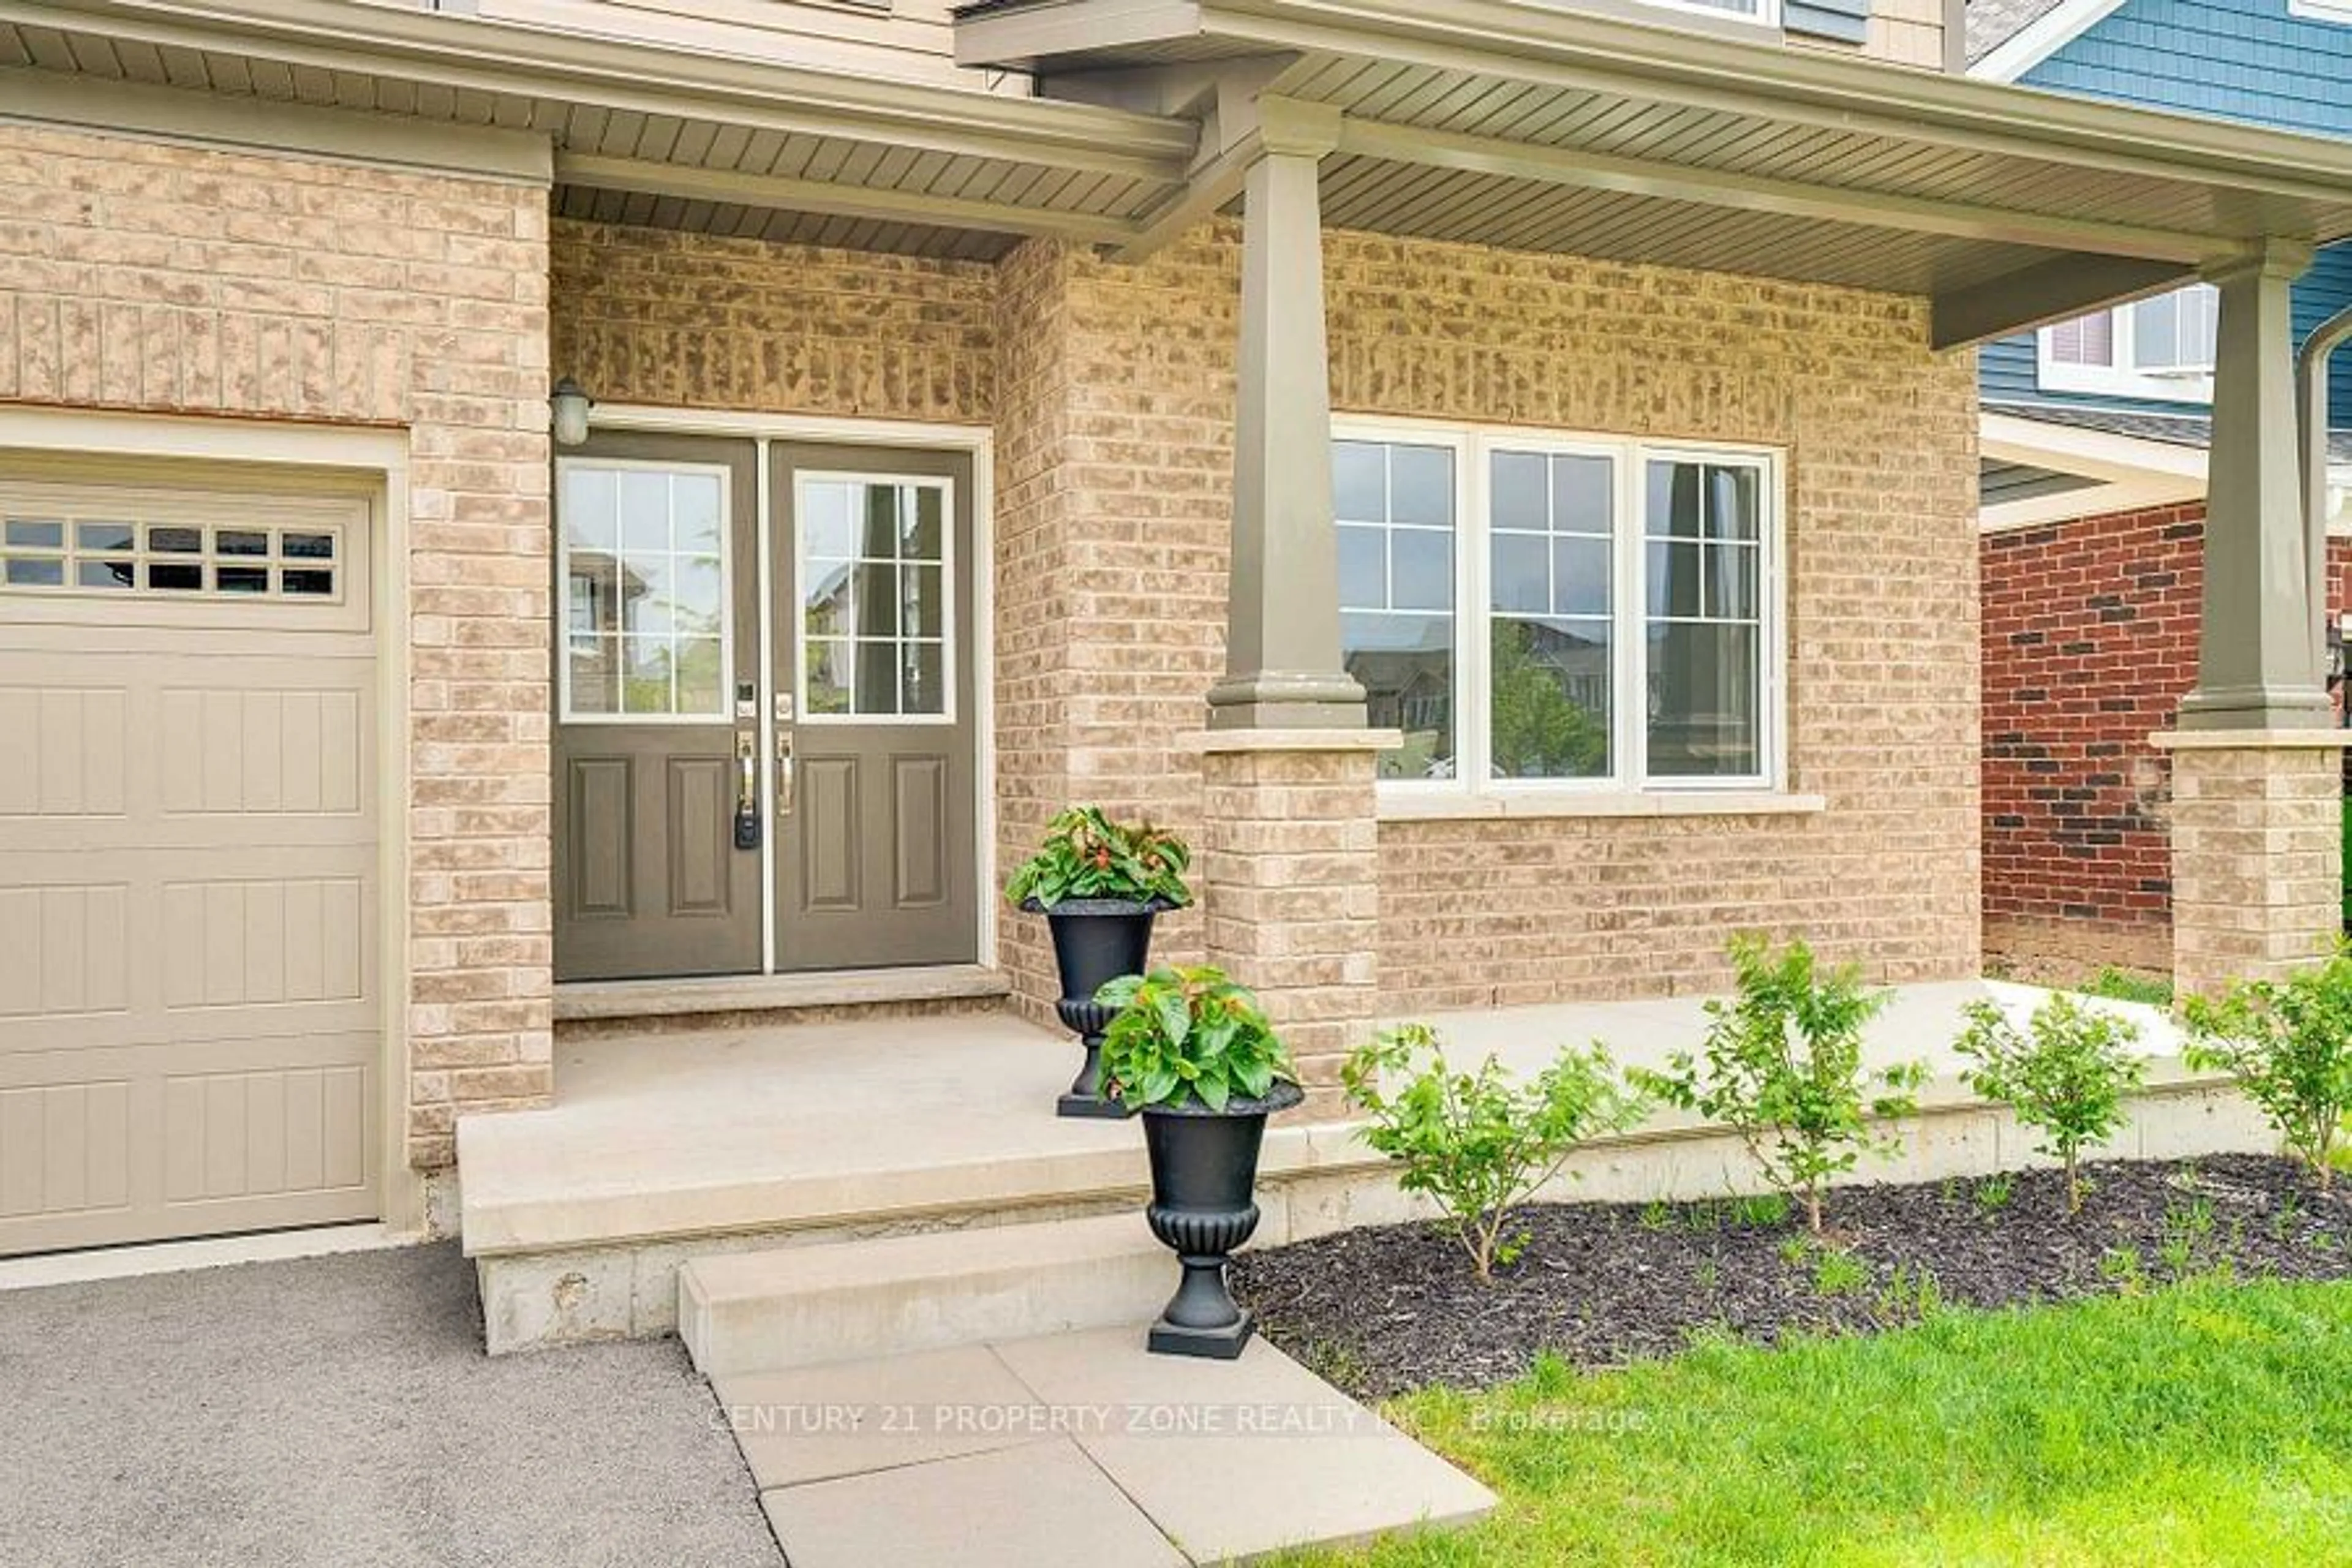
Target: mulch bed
1382, 1310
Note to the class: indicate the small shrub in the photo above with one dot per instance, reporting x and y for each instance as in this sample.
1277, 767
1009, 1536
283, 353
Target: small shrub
1782, 1068
1480, 1143
2066, 1074
2288, 1044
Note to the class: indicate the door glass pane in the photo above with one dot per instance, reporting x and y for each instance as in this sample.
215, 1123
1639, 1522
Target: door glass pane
644, 590
874, 595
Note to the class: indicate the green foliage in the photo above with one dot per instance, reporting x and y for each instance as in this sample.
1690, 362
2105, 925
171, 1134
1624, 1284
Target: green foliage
1782, 1068
1538, 731
1994, 1192
1837, 1272
1186, 1035
2067, 1073
2130, 985
2288, 1044
1480, 1143
2120, 1265
1086, 855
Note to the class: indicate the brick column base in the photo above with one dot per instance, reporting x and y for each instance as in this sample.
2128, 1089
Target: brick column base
2257, 852
1289, 875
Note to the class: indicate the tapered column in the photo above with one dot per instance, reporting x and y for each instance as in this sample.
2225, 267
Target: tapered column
2257, 852
1283, 667
2259, 666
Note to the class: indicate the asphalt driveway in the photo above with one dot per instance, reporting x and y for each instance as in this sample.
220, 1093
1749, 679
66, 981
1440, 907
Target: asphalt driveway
339, 1411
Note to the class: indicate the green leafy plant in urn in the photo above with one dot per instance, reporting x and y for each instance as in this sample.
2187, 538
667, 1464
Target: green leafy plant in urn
1099, 884
1193, 1053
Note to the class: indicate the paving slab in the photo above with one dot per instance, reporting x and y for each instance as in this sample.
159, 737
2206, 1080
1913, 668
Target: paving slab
1041, 1505
815, 1423
1237, 1459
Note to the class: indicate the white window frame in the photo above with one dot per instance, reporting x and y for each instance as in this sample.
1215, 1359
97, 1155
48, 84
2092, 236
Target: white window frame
2122, 378
1766, 15
726, 711
1473, 445
2337, 11
945, 485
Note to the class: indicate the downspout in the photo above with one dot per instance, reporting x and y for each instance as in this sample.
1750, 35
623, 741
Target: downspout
2311, 409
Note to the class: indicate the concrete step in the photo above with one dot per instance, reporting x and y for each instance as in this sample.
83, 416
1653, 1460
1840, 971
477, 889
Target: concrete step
851, 1301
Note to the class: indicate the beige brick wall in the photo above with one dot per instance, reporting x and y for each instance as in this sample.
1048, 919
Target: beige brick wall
2257, 861
180, 280
1881, 624
689, 320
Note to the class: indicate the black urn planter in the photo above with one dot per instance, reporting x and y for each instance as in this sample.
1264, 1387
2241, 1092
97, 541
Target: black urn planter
1095, 941
1203, 1182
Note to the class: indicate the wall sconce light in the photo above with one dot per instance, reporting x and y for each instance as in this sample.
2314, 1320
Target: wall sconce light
570, 404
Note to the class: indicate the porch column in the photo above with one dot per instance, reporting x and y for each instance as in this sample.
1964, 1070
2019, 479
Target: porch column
1290, 866
2256, 763
1282, 638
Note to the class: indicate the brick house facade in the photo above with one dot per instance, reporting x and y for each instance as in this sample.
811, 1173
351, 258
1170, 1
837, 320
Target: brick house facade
1044, 314
2090, 640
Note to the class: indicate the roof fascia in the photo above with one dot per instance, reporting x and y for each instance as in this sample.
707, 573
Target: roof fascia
470, 54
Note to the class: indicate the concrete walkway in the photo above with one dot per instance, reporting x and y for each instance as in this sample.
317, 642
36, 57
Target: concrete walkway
338, 1413
1077, 1451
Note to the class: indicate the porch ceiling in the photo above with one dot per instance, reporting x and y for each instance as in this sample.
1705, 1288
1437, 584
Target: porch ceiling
1520, 125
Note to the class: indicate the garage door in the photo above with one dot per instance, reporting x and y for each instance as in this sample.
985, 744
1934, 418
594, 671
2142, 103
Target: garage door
189, 998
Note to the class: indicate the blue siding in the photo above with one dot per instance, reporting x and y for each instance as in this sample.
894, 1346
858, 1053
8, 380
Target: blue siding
2240, 59
2237, 59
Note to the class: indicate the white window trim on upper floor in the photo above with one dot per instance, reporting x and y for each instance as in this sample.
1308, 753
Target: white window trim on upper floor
2338, 11
2122, 378
1765, 13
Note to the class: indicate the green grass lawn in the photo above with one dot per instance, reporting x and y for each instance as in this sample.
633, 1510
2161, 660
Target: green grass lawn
2204, 1424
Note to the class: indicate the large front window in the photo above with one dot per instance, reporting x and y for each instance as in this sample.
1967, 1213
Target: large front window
1558, 613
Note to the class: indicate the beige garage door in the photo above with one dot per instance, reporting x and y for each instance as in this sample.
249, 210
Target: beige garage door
189, 998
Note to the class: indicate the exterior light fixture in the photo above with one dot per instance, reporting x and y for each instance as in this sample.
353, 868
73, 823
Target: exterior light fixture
570, 404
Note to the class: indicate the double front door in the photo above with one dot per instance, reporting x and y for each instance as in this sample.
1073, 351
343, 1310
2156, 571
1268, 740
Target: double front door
764, 745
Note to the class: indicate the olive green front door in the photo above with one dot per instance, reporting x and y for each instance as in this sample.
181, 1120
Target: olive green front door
874, 697
658, 605
764, 750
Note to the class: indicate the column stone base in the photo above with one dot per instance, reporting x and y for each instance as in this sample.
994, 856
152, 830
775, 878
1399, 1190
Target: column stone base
1289, 877
2257, 852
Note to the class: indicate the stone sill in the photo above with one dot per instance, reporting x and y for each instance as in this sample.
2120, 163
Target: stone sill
1416, 806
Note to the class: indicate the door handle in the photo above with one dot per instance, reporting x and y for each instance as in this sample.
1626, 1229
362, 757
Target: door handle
784, 773
747, 790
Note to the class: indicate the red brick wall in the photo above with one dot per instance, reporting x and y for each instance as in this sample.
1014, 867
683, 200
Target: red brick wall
2090, 641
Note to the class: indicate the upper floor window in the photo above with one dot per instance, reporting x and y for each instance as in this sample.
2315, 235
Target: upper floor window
2321, 10
2160, 348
